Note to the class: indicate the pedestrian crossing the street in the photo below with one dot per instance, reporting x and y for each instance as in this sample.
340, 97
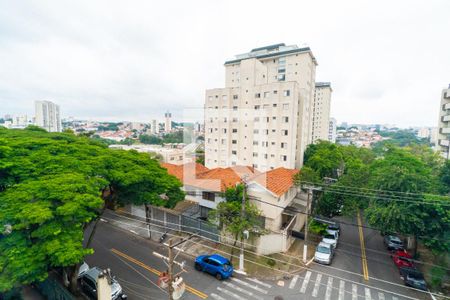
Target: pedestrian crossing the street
307, 285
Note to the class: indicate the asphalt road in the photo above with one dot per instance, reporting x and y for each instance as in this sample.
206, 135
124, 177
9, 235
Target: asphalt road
135, 267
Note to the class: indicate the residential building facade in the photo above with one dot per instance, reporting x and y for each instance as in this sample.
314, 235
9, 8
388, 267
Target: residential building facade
47, 116
262, 117
332, 130
168, 122
443, 142
273, 192
321, 111
155, 127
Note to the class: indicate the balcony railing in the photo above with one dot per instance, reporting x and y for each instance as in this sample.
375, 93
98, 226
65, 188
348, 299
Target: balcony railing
445, 130
444, 143
445, 118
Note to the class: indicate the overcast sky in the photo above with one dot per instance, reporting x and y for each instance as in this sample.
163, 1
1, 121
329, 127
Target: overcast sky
132, 60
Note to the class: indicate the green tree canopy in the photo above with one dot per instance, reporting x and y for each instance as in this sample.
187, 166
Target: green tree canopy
52, 185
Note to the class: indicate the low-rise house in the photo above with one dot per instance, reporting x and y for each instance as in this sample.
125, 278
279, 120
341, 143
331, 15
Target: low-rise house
273, 192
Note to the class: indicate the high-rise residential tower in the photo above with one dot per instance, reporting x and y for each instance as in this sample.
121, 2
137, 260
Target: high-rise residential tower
443, 141
262, 117
47, 116
155, 127
321, 111
332, 130
168, 122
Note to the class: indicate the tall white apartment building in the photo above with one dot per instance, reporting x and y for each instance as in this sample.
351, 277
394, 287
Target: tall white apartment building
155, 127
332, 130
262, 117
47, 116
168, 122
321, 111
443, 142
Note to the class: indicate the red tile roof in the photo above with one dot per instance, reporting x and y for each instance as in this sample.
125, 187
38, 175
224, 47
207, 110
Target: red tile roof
278, 181
179, 170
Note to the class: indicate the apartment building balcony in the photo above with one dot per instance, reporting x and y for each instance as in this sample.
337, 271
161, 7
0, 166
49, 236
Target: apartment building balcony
447, 95
444, 143
444, 130
445, 118
447, 106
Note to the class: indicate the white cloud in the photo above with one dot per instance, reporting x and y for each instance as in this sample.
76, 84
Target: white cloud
387, 60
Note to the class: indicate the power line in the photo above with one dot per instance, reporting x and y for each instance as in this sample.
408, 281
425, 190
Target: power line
309, 269
390, 194
289, 256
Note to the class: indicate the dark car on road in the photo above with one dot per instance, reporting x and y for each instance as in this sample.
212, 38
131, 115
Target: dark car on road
215, 264
393, 242
413, 278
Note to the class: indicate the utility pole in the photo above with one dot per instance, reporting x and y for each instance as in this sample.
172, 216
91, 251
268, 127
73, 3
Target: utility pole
170, 270
308, 204
241, 255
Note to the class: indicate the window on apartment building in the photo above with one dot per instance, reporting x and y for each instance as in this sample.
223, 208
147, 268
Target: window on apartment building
282, 61
256, 119
217, 96
255, 154
273, 130
281, 77
266, 106
235, 97
215, 129
283, 145
233, 163
255, 143
286, 106
274, 105
172, 158
224, 120
208, 196
258, 95
216, 107
209, 140
282, 69
275, 92
265, 144
255, 166
286, 93
235, 108
274, 118
266, 131
224, 130
234, 130
235, 120
266, 94
224, 141
265, 156
234, 152
234, 141
257, 107
211, 120
267, 119
256, 131
272, 155
285, 119
272, 143
284, 132
210, 130
283, 157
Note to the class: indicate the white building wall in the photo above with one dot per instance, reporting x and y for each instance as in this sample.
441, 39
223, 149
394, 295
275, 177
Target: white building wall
321, 112
443, 138
47, 116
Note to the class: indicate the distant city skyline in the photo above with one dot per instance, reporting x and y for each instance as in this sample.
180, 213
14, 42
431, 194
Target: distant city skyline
388, 61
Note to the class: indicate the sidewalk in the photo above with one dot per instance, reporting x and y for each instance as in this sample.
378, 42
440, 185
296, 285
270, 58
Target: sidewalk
270, 267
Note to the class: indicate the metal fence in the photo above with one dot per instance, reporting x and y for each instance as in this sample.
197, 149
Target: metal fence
53, 290
179, 221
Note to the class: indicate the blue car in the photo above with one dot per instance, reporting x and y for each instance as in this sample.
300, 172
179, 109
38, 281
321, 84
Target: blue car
215, 264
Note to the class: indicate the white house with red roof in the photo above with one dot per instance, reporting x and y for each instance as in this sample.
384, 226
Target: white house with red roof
273, 192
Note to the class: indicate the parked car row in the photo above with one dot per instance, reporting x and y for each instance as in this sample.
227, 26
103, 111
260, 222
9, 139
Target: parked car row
404, 262
325, 250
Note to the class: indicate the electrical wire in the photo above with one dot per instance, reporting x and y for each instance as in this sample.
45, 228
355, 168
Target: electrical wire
309, 269
304, 267
308, 242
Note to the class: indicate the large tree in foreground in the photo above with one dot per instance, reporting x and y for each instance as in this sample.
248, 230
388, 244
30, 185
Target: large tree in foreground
52, 186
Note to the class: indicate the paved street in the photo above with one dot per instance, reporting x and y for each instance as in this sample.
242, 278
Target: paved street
136, 268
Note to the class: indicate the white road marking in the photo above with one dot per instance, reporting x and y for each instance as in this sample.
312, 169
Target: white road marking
260, 282
132, 231
255, 287
329, 287
293, 282
368, 296
380, 296
215, 296
239, 289
230, 293
354, 292
341, 290
317, 285
103, 220
305, 282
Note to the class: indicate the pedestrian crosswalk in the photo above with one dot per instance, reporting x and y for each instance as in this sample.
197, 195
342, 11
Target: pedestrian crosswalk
307, 285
